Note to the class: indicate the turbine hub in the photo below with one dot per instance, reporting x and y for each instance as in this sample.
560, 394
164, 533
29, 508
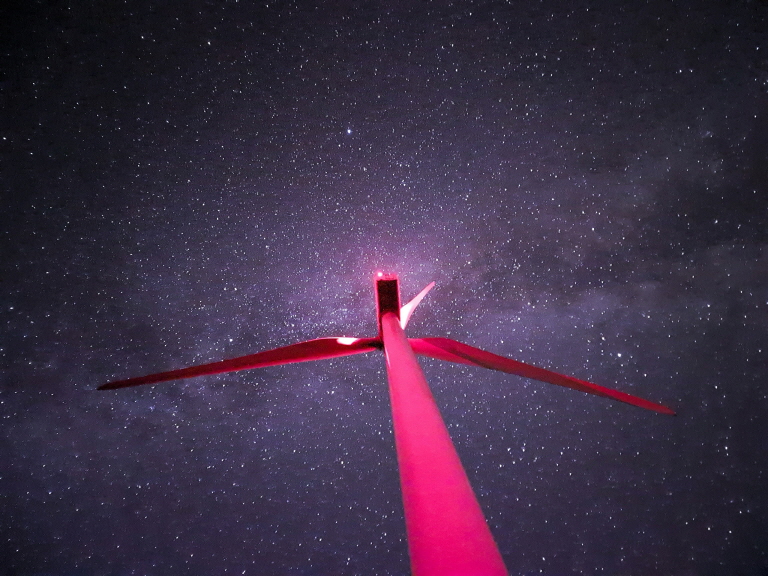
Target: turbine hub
387, 296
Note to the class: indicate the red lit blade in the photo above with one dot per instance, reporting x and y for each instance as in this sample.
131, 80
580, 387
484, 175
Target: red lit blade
453, 351
318, 349
407, 310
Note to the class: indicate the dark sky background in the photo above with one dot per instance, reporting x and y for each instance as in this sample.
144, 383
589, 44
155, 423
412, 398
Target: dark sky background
184, 182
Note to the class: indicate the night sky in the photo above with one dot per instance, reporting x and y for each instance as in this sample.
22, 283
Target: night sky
183, 182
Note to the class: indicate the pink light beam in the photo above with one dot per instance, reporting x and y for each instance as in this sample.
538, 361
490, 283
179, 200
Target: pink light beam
446, 529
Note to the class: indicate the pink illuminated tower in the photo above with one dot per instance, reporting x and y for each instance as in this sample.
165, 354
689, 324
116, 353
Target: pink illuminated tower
447, 532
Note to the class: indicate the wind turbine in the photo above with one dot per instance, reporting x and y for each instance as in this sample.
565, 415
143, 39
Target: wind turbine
446, 530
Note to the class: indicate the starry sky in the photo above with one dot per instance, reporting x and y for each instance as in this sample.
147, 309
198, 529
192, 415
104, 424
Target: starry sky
183, 182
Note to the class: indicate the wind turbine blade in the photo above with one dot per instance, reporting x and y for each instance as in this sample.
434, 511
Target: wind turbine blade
453, 351
318, 349
446, 529
407, 310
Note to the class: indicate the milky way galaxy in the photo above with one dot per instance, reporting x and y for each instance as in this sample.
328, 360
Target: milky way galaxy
184, 182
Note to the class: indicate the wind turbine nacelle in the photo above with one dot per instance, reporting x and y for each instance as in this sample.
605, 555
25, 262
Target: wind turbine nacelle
387, 296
